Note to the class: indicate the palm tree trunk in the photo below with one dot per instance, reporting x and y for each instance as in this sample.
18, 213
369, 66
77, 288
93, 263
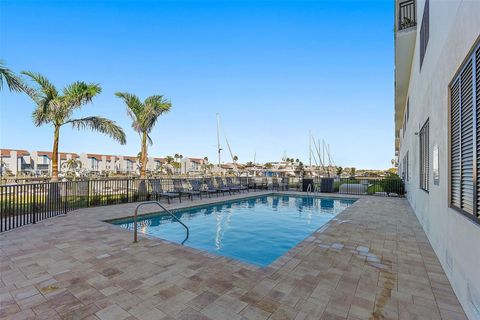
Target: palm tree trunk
56, 135
143, 159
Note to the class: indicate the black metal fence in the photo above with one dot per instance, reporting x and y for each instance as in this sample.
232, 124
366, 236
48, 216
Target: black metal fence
22, 204
407, 16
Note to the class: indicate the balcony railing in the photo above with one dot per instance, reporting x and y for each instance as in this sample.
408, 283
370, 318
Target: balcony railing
407, 15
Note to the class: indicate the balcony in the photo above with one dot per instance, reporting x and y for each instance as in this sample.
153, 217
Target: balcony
407, 15
405, 36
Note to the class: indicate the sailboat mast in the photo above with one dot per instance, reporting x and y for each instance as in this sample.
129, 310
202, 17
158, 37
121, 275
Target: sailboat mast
310, 149
218, 138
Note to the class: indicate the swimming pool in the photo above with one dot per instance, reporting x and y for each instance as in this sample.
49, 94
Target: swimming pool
254, 230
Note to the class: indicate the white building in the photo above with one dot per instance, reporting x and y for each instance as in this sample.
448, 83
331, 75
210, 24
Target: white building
15, 161
437, 132
192, 165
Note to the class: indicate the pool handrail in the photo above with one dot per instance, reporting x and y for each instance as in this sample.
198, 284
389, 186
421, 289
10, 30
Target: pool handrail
135, 223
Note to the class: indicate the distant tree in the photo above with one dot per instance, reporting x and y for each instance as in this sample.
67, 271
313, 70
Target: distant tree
352, 172
206, 159
392, 171
56, 108
235, 159
339, 171
393, 162
268, 165
72, 164
177, 166
301, 169
249, 164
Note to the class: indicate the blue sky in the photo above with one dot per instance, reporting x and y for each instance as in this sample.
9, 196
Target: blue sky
273, 69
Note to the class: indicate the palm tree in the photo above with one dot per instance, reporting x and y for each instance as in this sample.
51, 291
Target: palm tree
14, 82
339, 171
144, 116
56, 108
169, 160
72, 164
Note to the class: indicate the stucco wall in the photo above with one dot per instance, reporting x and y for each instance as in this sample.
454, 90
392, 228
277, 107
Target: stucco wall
454, 29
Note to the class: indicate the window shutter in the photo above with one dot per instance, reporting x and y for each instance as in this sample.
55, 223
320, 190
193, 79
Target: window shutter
455, 166
424, 136
465, 137
466, 100
477, 114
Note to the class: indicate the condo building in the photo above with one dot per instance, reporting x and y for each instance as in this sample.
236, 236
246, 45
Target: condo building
16, 161
437, 132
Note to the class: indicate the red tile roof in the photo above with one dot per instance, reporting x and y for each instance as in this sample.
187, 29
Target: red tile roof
20, 153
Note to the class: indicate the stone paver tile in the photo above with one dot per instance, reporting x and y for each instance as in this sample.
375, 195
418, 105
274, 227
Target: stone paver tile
113, 312
451, 315
230, 303
216, 312
191, 314
254, 313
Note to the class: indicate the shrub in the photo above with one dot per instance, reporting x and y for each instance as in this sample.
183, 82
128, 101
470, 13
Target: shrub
393, 184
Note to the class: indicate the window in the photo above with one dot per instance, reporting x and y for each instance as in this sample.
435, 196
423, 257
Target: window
94, 163
464, 136
424, 31
129, 165
405, 167
424, 156
405, 117
408, 108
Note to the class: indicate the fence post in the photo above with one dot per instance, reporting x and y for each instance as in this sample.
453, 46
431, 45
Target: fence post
65, 197
128, 190
34, 217
88, 193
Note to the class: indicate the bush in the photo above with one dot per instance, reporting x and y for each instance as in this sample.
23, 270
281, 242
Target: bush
393, 184
375, 187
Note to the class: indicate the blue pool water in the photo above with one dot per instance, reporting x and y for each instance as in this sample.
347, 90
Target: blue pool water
256, 230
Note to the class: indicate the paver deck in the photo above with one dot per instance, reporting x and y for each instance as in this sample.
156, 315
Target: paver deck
373, 262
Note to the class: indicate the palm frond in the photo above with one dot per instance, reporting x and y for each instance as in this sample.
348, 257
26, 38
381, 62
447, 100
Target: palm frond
134, 105
150, 141
155, 106
41, 116
102, 125
47, 89
79, 93
14, 82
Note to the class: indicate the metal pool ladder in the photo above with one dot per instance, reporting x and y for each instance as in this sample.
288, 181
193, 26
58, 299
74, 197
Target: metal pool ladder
135, 235
316, 189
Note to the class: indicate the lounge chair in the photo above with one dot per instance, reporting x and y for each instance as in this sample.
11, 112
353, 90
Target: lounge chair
278, 184
264, 183
234, 186
221, 187
199, 186
210, 188
178, 187
157, 191
275, 185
